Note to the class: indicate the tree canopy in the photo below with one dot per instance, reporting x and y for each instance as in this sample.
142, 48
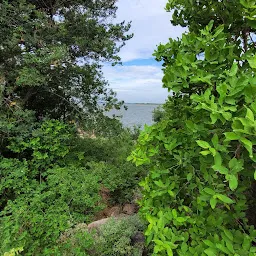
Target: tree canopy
51, 54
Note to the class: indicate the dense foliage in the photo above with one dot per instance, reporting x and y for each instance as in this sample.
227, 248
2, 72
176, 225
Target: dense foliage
199, 195
158, 114
115, 237
55, 156
52, 180
51, 54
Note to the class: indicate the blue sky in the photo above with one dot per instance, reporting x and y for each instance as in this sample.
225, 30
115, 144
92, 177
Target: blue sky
138, 80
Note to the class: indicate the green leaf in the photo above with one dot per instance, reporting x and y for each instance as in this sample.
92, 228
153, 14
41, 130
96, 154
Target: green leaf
214, 117
205, 152
181, 219
159, 242
231, 136
215, 140
228, 234
227, 115
245, 3
255, 175
189, 176
190, 125
218, 30
222, 248
203, 144
169, 252
230, 246
217, 159
233, 182
222, 90
213, 151
224, 199
174, 213
210, 25
221, 169
233, 69
184, 247
209, 191
232, 163
209, 243
210, 252
252, 61
213, 202
247, 145
246, 243
130, 158
251, 23
250, 115
159, 183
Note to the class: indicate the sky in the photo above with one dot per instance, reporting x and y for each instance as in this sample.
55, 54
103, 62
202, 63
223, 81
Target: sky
139, 79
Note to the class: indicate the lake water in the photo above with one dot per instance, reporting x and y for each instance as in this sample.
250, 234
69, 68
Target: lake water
137, 114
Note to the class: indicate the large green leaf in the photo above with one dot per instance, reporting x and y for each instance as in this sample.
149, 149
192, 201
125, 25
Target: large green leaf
233, 182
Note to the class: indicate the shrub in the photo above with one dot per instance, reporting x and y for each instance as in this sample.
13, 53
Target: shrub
158, 114
51, 184
102, 158
116, 237
202, 157
14, 251
79, 242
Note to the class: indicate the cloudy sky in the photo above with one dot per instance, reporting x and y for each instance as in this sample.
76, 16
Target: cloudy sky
138, 80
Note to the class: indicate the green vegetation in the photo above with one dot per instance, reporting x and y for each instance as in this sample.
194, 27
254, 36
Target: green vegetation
116, 237
59, 153
57, 149
47, 185
51, 55
158, 114
198, 196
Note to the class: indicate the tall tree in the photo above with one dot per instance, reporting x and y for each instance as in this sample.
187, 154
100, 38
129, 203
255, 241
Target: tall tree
51, 53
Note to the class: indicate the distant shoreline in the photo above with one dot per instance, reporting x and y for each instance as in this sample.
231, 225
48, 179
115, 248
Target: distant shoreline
144, 103
135, 114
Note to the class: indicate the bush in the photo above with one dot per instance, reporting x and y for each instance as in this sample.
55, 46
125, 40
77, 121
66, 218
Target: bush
102, 158
197, 195
116, 237
34, 222
52, 183
121, 180
39, 198
79, 242
13, 252
36, 218
158, 114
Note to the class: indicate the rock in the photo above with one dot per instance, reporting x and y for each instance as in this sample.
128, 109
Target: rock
129, 209
100, 215
97, 224
138, 238
113, 211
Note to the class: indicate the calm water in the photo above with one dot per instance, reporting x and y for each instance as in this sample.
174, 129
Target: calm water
137, 114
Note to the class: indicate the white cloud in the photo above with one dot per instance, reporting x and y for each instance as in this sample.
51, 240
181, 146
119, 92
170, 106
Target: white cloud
150, 24
137, 83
